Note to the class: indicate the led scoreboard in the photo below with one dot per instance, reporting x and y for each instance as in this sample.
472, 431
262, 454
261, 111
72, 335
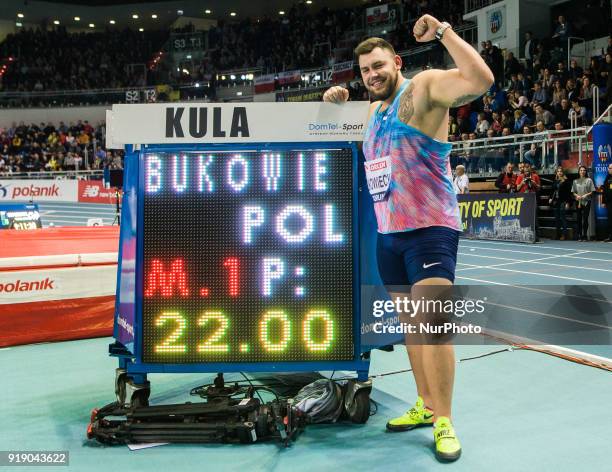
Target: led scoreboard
239, 238
248, 255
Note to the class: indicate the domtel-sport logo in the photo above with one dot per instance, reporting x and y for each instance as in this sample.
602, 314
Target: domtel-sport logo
335, 127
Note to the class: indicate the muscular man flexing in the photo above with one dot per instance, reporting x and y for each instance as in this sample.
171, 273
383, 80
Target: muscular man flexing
416, 207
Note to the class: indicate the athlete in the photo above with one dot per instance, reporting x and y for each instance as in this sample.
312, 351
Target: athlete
407, 159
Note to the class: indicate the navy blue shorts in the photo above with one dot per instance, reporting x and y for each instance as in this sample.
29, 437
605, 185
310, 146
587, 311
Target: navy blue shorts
407, 257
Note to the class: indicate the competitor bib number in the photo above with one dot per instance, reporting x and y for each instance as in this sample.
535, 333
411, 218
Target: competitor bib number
378, 176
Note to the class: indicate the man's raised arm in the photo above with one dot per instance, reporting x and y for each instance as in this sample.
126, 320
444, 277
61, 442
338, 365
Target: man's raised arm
454, 87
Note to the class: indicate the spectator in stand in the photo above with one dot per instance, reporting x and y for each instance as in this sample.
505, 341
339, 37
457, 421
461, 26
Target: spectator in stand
540, 94
518, 102
482, 125
453, 128
513, 66
524, 85
520, 120
581, 112
495, 61
513, 83
572, 89
586, 92
532, 156
562, 113
560, 202
561, 73
606, 71
559, 93
607, 201
562, 32
544, 116
529, 50
575, 71
496, 125
461, 183
547, 79
540, 60
528, 181
582, 190
507, 122
463, 125
562, 146
593, 72
506, 181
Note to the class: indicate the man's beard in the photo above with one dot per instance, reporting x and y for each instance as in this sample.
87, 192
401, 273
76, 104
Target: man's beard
387, 90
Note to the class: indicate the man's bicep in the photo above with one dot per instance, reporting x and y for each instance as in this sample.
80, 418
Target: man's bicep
448, 88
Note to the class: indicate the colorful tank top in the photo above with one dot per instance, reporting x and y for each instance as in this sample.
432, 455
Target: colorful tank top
409, 174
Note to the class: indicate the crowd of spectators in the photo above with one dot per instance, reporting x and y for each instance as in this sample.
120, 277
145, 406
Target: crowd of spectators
301, 39
536, 94
44, 60
45, 147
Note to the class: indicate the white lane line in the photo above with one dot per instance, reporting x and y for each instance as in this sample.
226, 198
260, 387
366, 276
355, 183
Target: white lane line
533, 289
513, 244
549, 315
524, 272
585, 251
536, 261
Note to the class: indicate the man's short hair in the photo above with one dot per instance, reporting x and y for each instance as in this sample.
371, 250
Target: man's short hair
368, 45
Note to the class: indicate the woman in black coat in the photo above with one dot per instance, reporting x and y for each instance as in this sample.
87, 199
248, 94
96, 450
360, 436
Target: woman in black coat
560, 202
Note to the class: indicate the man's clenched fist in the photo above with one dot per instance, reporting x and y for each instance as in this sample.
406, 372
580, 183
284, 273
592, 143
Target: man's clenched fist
336, 94
425, 28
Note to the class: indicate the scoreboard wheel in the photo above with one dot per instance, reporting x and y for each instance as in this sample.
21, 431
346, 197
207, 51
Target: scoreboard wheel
359, 409
120, 386
140, 398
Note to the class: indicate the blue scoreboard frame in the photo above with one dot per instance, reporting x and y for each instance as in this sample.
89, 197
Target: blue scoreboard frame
128, 322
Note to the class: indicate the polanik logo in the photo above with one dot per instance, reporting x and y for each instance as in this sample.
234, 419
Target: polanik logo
3, 191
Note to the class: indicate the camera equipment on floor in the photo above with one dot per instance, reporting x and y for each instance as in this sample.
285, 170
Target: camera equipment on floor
234, 412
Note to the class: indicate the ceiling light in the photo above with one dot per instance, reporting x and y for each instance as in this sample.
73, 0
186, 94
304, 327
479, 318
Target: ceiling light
91, 25
208, 12
135, 16
18, 24
56, 22
19, 15
141, 29
112, 22
154, 16
309, 2
77, 18
233, 13
281, 12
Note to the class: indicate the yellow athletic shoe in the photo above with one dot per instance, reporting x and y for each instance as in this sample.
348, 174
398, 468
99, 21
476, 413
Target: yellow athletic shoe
416, 417
448, 448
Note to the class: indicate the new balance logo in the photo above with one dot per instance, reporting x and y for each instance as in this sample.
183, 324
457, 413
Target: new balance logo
427, 266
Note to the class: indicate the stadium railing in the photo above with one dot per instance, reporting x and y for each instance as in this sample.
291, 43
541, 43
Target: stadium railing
486, 157
45, 175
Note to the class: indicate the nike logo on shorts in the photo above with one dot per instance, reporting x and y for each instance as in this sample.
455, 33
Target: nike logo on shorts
427, 266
